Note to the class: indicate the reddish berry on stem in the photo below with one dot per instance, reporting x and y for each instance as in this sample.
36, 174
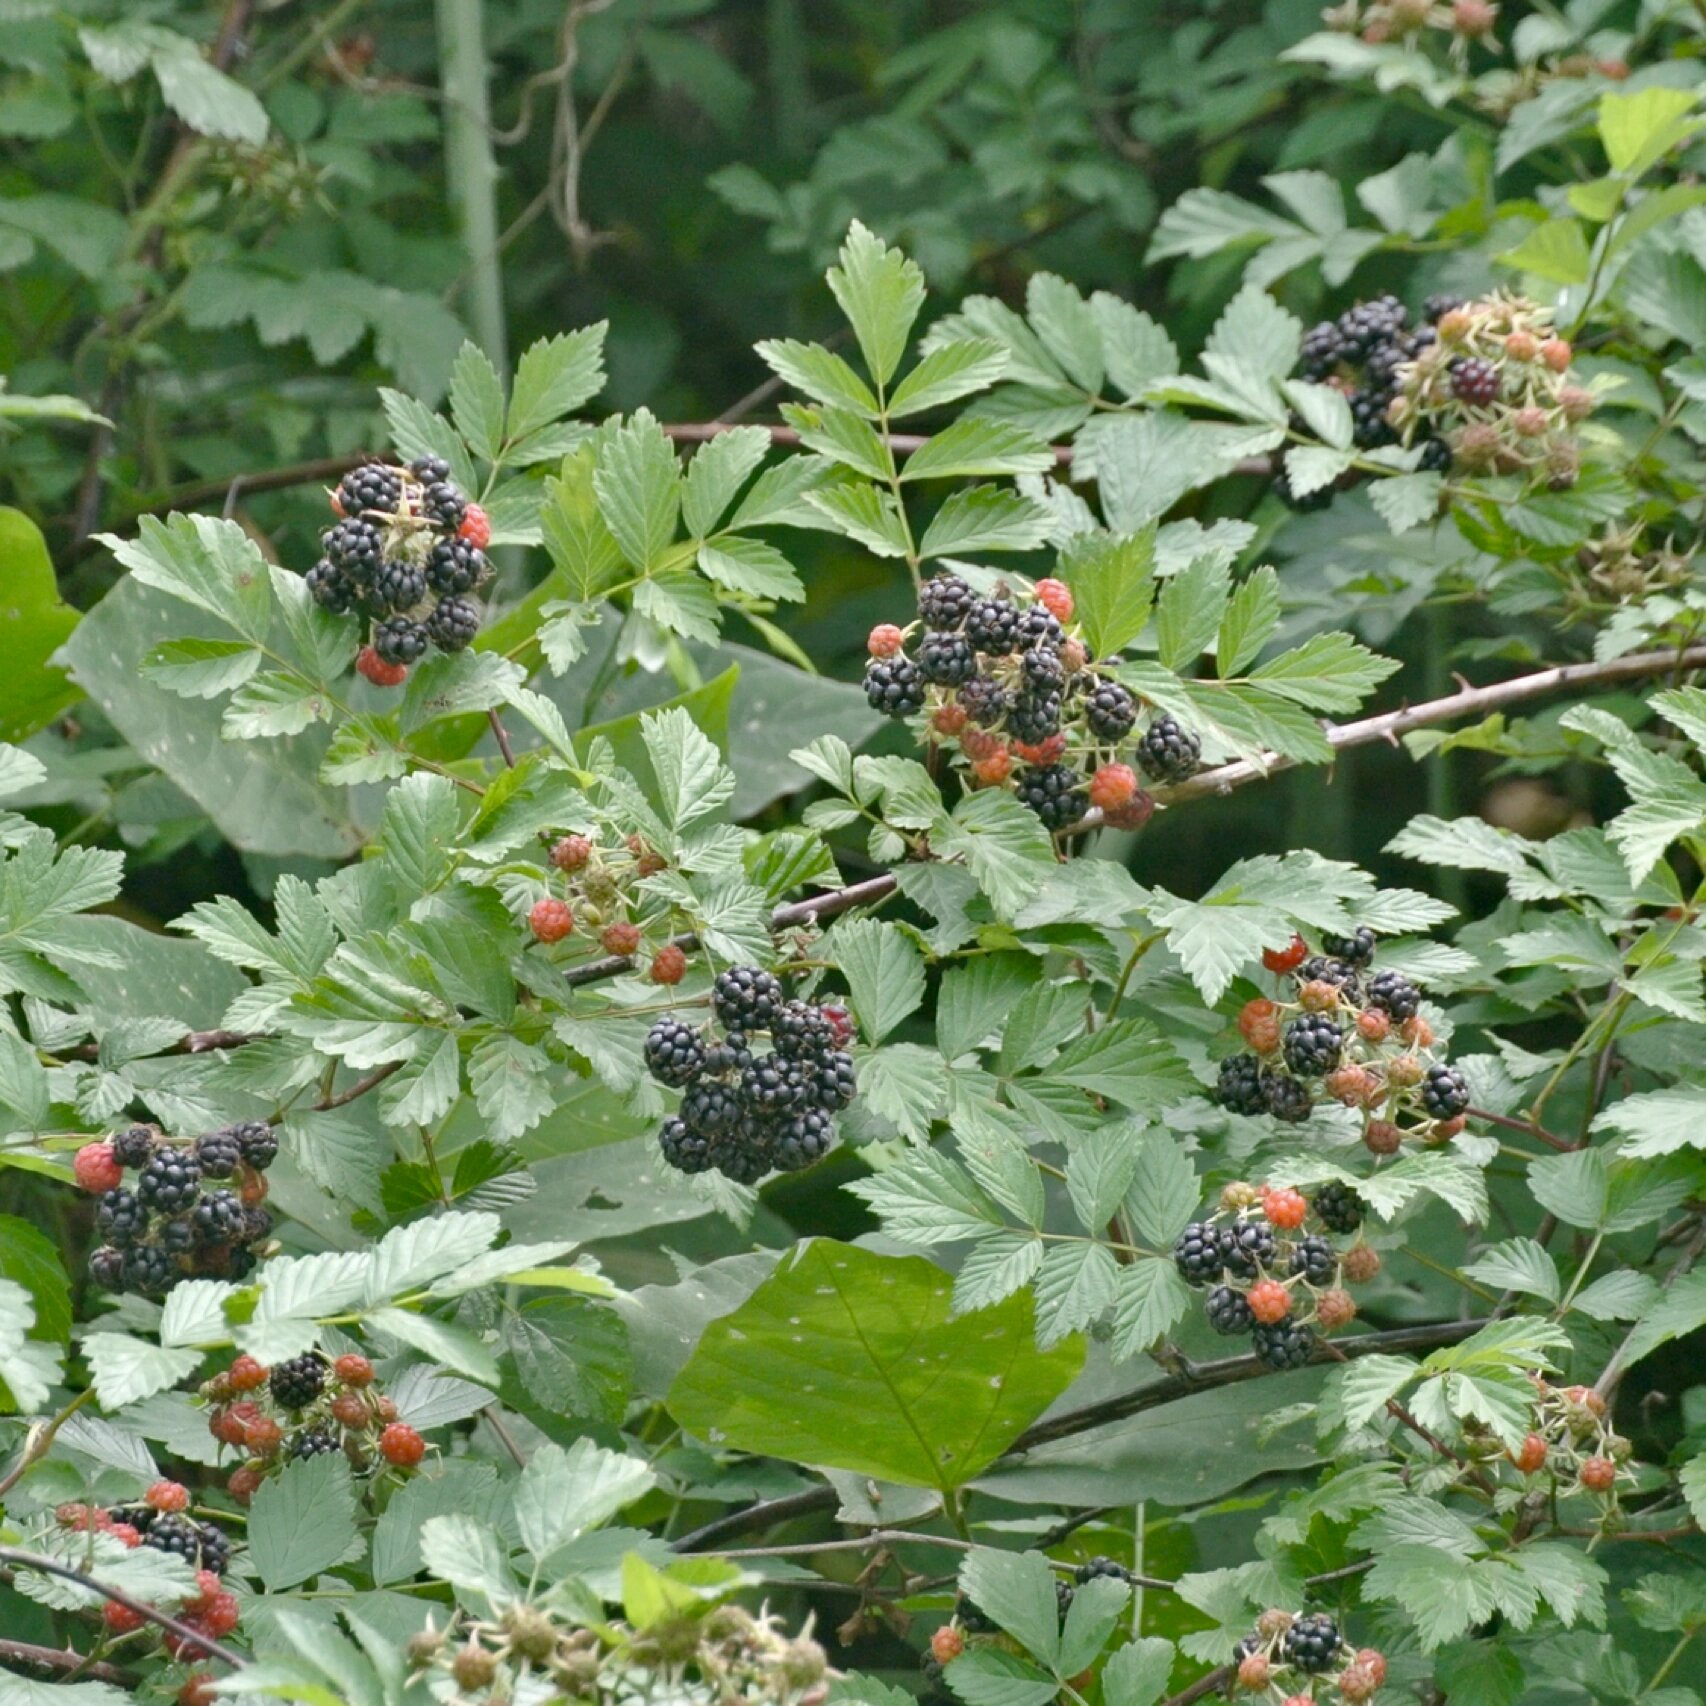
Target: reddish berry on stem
476, 527
1555, 352
1269, 1301
125, 1534
570, 852
353, 1370
386, 1409
1254, 1671
1112, 787
244, 1484
620, 937
947, 1644
120, 1618
840, 1022
1056, 598
97, 1168
168, 1496
209, 1587
551, 920
1284, 1207
350, 1408
263, 1436
1530, 1457
221, 1616
378, 671
1045, 751
884, 640
401, 1445
1599, 1474
669, 964
1288, 958
1373, 1661
949, 719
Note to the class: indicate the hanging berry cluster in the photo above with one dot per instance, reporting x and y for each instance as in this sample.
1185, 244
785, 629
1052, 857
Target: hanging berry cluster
1348, 1034
407, 552
1573, 1445
302, 1408
1273, 1269
1300, 1657
1008, 687
171, 1226
745, 1113
602, 898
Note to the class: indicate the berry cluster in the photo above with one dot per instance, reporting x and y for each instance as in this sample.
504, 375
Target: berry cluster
194, 1209
1009, 686
1300, 1657
1348, 1033
1402, 21
1573, 1443
300, 1408
745, 1113
407, 553
1270, 1273
1495, 383
602, 898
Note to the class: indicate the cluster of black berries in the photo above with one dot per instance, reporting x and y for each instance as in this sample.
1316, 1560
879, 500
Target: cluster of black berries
407, 553
1298, 1653
1013, 686
1352, 1034
746, 1113
194, 1208
201, 1545
1272, 1270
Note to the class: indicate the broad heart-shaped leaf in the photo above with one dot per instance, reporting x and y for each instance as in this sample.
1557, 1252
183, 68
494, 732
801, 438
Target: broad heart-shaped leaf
36, 624
303, 1521
850, 1359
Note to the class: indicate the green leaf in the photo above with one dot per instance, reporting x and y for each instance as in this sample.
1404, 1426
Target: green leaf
1518, 1264
553, 378
717, 472
693, 781
1657, 1122
1151, 1298
638, 482
1068, 328
1640, 128
851, 1359
950, 371
842, 436
1164, 1190
884, 972
1074, 1285
974, 448
201, 669
985, 518
1017, 1590
302, 1521
274, 703
862, 513
1556, 251
210, 564
819, 373
880, 291
1113, 586
126, 1369
1324, 410
468, 1554
1190, 610
1328, 672
571, 1357
36, 623
561, 1494
1248, 623
1137, 1674
1004, 846
477, 401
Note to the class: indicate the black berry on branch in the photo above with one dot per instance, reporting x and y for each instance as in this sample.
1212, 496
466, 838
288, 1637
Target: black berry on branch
121, 1217
1395, 995
947, 660
802, 1138
258, 1141
745, 998
944, 601
674, 1053
1286, 1098
1110, 712
1338, 1207
219, 1153
150, 1271
711, 1108
1283, 1344
1315, 1259
1228, 1311
219, 1218
1313, 1045
398, 586
686, 1150
894, 686
452, 624
454, 566
313, 1442
1356, 949
1445, 1092
400, 640
1196, 1253
1474, 380
1312, 1642
133, 1146
1054, 794
1168, 752
1247, 1246
372, 486
985, 701
1096, 1567
170, 1182
992, 626
1239, 1087
331, 588
296, 1383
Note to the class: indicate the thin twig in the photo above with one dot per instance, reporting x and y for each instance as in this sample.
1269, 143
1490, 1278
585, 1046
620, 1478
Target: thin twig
26, 1654
1527, 1127
501, 734
1203, 1685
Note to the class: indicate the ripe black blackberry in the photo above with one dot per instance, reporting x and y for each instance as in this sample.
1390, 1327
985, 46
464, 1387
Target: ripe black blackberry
1312, 1642
944, 601
1033, 716
801, 1031
744, 1154
985, 701
453, 623
972, 1618
1053, 793
175, 1236
1286, 1098
1474, 380
454, 566
372, 486
106, 1267
686, 1150
1248, 1247
1445, 1092
1110, 711
1096, 1567
179, 1535
894, 686
400, 639
1370, 428
1338, 1207
674, 1053
946, 659
1315, 1259
1239, 1086
1321, 352
805, 1136
1371, 323
1319, 968
237, 1264
170, 1182
992, 626
331, 588
258, 1141
711, 1107
215, 1548
297, 1382
1317, 499
444, 503
1168, 751
398, 586
834, 1080
257, 1224
1356, 949
1228, 1311
774, 1085
218, 1218
1063, 1597
1394, 995
1436, 457
139, 1517
1037, 627
729, 1056
313, 1442
1313, 1045
1196, 1253
357, 547
745, 998
1437, 306
219, 1153
134, 1146
122, 1220
426, 469
1284, 1344
149, 1270
1043, 670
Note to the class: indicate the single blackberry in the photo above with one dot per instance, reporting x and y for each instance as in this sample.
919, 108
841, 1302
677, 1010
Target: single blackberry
1063, 1597
400, 639
946, 659
218, 1218
1043, 670
426, 469
219, 1153
834, 1080
1437, 306
444, 503
686, 1150
1474, 380
454, 566
1312, 1642
1168, 752
398, 586
215, 1548
774, 1085
745, 998
357, 547
331, 588
674, 1053
1033, 716
744, 1154
801, 1031
179, 1535
1053, 793
372, 486
296, 1383
1436, 457
1284, 1344
1445, 1092
238, 1264
1109, 1567
1317, 499
1315, 1259
453, 623
1356, 949
175, 1236
1247, 1247
134, 1146
257, 1224
1286, 1098
1196, 1253
972, 1618
1318, 968
944, 601
1314, 1045
313, 1442
1037, 627
710, 1107
1394, 995
1111, 711
1228, 1311
1369, 426
985, 701
1371, 323
171, 1181
259, 1143
894, 686
1338, 1207
106, 1267
729, 1056
150, 1270
1239, 1087
802, 1138
122, 1220
1321, 352
992, 626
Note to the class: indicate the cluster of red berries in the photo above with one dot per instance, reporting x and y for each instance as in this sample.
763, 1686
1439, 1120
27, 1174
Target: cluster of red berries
1350, 1034
173, 1224
1007, 686
407, 554
1300, 1658
1271, 1268
603, 899
1575, 1446
301, 1408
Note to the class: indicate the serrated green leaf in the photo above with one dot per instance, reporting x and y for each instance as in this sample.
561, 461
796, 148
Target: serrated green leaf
880, 292
985, 518
884, 972
638, 482
1189, 612
1112, 578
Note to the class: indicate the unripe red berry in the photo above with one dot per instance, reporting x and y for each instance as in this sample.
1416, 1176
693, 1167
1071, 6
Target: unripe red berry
382, 674
550, 920
244, 1483
1318, 996
221, 1616
97, 1169
1404, 1070
1382, 1138
669, 964
620, 937
168, 1496
252, 1187
1443, 1131
997, 767
208, 1587
386, 1409
1373, 1025
1373, 1661
947, 1644
1074, 654
401, 1445
570, 852
1454, 323
1599, 1474
840, 1022
476, 528
473, 1668
1361, 1262
1044, 751
225, 1427
1133, 815
1616, 69
1284, 1207
1254, 1672
78, 1518
1473, 18
124, 1534
1522, 345
1335, 1308
1269, 1301
1288, 958
1355, 1683
1254, 1013
1112, 786
263, 1436
1530, 1457
350, 1409
978, 744
353, 1369
1556, 352
949, 719
1056, 598
884, 640
1531, 422
120, 1618
1354, 1086
1576, 402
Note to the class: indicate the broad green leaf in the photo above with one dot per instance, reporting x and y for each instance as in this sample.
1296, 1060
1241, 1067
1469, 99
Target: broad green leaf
975, 447
477, 401
126, 1369
36, 622
819, 373
210, 564
302, 1521
561, 1494
1248, 622
884, 972
985, 518
880, 292
1113, 586
1189, 612
638, 482
1151, 1298
1068, 328
201, 669
1640, 128
950, 371
553, 378
863, 514
1016, 1589
717, 472
1328, 672
1556, 251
